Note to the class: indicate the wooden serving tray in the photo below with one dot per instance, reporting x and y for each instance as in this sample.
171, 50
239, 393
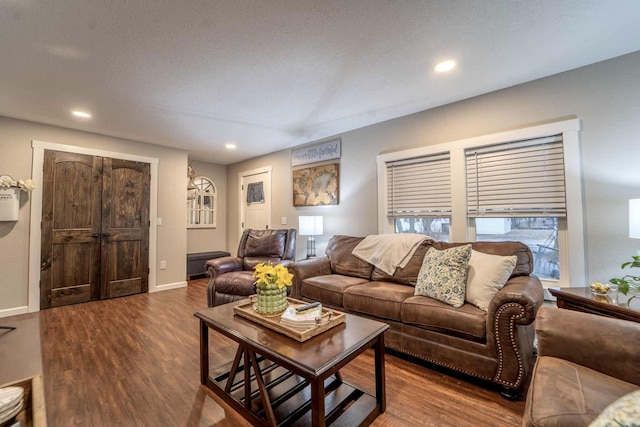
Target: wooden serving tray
334, 318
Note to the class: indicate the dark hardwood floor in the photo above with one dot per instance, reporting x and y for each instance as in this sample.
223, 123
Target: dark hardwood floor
134, 361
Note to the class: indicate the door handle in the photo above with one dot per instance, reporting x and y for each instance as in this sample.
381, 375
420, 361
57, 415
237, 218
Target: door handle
95, 235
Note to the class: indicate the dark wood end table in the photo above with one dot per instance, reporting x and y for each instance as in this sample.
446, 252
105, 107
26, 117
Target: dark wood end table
275, 380
581, 299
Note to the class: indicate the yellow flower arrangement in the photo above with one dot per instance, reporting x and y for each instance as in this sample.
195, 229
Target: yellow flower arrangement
266, 273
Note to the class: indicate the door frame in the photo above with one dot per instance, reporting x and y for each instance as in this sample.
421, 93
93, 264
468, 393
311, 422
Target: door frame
241, 177
35, 240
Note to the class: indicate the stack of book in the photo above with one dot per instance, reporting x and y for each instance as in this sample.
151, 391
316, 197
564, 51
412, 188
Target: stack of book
302, 319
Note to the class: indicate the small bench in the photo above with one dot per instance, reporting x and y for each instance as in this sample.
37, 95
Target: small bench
196, 268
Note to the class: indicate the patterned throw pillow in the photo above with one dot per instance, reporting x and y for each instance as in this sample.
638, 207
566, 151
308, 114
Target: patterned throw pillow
623, 412
443, 275
487, 275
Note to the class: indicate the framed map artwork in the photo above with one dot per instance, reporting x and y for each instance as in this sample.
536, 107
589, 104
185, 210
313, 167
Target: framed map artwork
316, 185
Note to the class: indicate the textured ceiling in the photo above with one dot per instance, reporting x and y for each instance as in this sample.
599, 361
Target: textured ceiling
271, 74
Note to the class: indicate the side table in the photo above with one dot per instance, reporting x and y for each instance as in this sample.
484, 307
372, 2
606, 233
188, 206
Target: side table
581, 299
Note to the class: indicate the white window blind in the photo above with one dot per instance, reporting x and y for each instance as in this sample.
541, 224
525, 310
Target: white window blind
419, 186
520, 178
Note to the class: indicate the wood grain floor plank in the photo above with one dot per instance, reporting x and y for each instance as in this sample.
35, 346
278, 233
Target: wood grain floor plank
134, 361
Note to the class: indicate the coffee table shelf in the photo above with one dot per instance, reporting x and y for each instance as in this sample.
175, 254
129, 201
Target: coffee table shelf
290, 397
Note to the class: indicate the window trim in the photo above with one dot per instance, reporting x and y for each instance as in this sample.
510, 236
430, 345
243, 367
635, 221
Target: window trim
572, 237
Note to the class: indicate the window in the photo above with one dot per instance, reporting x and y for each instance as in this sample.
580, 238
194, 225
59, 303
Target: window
419, 195
201, 203
516, 191
539, 233
522, 185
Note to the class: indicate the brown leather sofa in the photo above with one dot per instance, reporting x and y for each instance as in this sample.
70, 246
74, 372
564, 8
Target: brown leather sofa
496, 345
585, 362
231, 278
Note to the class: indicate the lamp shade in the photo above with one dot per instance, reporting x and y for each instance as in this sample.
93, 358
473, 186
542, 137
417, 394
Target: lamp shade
634, 218
310, 225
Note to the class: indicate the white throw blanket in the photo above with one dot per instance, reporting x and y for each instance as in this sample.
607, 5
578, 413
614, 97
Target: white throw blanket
389, 251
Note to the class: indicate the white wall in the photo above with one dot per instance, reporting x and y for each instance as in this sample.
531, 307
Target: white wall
605, 96
211, 239
16, 137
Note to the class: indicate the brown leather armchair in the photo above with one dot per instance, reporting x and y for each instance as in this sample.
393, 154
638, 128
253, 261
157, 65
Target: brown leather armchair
585, 362
231, 278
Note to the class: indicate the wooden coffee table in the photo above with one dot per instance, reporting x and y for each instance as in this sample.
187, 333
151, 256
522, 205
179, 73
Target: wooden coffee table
581, 299
276, 380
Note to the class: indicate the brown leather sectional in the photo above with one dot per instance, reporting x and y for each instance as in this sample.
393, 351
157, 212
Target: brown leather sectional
496, 346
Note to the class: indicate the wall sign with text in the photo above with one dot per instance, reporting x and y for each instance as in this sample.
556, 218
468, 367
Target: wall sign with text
316, 153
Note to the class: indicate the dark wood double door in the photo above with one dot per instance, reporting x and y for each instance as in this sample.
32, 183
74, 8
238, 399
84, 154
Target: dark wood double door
95, 228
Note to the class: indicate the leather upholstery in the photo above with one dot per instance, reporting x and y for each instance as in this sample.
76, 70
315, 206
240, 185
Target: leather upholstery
231, 278
496, 345
342, 260
585, 362
408, 274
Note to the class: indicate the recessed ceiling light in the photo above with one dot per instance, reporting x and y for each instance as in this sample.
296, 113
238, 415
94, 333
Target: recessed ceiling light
81, 114
230, 146
444, 66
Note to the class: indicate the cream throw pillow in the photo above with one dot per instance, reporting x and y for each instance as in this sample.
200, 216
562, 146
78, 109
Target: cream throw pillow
443, 275
487, 275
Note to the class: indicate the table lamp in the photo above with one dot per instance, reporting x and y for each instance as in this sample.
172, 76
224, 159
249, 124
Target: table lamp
310, 226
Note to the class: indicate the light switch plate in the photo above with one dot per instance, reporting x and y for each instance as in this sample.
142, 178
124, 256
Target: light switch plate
284, 220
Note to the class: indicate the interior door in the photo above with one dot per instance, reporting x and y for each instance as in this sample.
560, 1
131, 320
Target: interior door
71, 220
256, 200
125, 228
95, 228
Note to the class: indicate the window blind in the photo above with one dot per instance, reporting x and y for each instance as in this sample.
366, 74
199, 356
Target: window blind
419, 186
519, 178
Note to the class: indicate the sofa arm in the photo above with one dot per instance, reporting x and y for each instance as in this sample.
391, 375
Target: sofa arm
510, 330
600, 343
307, 268
525, 291
222, 265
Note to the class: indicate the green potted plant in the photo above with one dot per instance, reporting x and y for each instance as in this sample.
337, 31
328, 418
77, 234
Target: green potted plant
628, 282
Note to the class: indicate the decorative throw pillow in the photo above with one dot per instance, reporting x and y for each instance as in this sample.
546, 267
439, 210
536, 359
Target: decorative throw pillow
443, 275
487, 275
623, 412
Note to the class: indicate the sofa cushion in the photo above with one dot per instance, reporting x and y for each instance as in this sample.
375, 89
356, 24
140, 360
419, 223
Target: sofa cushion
339, 251
487, 275
409, 274
443, 275
328, 289
380, 299
524, 265
623, 412
579, 393
467, 321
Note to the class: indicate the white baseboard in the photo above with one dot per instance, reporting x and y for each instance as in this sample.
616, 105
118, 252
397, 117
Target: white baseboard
14, 311
168, 286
